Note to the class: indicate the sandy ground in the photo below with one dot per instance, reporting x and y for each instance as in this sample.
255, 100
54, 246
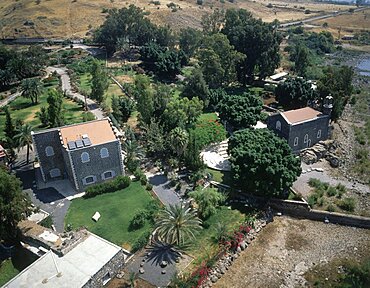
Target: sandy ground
66, 18
287, 248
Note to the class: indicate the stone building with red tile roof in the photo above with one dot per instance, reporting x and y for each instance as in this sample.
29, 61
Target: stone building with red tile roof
302, 128
85, 153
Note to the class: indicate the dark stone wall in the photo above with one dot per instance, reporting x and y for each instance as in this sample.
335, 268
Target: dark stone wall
97, 165
112, 267
41, 141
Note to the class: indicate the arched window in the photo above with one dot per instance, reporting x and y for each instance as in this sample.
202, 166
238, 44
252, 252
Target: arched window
85, 157
89, 180
49, 151
108, 174
319, 134
295, 141
278, 125
104, 153
305, 138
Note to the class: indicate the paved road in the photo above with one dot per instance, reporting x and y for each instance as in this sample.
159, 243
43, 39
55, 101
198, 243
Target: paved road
163, 190
320, 17
9, 99
67, 88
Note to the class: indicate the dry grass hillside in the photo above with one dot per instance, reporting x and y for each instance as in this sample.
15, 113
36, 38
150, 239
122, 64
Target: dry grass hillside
75, 18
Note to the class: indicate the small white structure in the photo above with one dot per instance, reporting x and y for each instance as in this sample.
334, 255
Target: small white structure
279, 76
216, 156
96, 216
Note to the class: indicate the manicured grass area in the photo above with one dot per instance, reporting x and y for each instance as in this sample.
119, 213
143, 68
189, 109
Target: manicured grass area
22, 109
116, 209
208, 116
205, 245
223, 177
7, 271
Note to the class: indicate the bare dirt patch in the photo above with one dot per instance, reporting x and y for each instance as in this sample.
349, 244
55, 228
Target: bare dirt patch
275, 259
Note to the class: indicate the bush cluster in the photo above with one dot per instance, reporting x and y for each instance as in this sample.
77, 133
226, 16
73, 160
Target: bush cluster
138, 221
141, 242
118, 183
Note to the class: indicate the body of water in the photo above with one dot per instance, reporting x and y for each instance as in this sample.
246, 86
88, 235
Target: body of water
364, 67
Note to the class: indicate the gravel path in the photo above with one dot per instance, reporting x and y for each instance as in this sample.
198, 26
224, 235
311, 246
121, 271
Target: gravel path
287, 248
66, 86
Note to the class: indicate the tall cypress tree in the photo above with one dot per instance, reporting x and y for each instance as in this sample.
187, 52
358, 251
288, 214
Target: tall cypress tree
9, 129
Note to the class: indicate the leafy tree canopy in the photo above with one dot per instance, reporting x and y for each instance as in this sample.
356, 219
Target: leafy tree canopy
294, 93
196, 86
336, 81
257, 40
14, 205
208, 200
189, 40
262, 163
241, 111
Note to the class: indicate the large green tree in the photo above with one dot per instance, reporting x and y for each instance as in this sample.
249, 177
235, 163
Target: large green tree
196, 86
189, 40
208, 200
218, 60
31, 88
24, 138
262, 163
294, 93
178, 140
181, 112
336, 81
177, 224
301, 60
99, 82
144, 98
55, 108
257, 40
14, 205
241, 111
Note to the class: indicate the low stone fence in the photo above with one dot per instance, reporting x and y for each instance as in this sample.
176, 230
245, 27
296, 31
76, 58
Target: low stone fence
303, 210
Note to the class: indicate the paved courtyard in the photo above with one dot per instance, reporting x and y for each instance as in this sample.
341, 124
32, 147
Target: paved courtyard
162, 188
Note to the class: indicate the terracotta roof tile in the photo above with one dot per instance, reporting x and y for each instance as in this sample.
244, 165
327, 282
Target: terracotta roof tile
99, 132
300, 115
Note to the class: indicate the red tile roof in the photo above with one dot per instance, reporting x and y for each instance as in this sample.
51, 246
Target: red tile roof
99, 132
2, 152
301, 115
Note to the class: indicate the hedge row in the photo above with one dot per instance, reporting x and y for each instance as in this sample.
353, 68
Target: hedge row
118, 183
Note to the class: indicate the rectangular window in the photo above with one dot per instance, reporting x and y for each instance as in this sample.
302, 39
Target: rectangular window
89, 180
295, 141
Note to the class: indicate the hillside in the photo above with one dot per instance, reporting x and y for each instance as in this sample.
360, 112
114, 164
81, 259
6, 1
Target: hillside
75, 18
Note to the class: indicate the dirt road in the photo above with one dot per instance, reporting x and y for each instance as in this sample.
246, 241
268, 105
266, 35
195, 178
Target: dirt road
287, 248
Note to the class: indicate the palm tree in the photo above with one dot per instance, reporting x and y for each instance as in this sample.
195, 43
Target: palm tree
133, 153
178, 139
24, 138
31, 88
177, 224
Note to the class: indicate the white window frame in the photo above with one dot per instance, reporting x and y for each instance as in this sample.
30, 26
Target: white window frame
57, 170
49, 151
296, 139
319, 134
278, 125
104, 154
305, 138
82, 157
105, 178
86, 183
106, 278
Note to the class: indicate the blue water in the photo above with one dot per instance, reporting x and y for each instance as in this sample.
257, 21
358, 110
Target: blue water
364, 67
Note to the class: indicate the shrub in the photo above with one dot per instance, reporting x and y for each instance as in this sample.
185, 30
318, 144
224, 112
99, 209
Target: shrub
118, 183
347, 204
332, 191
331, 208
320, 201
148, 186
47, 222
143, 179
200, 2
341, 189
138, 221
138, 173
312, 199
141, 241
314, 182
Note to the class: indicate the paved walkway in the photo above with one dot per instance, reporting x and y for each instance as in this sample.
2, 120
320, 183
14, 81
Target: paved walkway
161, 187
67, 88
9, 99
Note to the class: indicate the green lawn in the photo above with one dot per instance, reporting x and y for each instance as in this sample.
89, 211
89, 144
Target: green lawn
22, 108
208, 116
7, 271
116, 209
204, 246
223, 177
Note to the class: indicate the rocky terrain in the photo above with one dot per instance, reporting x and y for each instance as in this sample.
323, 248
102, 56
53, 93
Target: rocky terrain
288, 248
